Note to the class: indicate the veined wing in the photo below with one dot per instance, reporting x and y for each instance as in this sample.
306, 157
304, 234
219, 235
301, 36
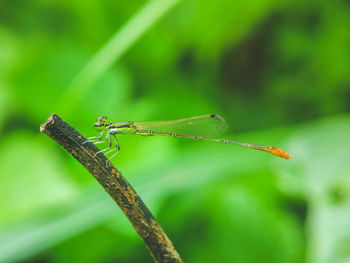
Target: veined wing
205, 125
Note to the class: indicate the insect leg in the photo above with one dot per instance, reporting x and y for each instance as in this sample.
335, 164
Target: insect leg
116, 149
108, 149
108, 137
95, 139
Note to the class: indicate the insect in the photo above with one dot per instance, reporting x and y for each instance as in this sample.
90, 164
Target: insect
198, 128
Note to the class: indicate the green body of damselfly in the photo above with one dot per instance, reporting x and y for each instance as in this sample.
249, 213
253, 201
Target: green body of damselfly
199, 128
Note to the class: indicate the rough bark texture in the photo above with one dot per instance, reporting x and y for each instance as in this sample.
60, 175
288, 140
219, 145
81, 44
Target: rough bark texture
116, 185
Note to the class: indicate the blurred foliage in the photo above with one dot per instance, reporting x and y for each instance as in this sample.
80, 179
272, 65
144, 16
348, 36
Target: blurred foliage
278, 71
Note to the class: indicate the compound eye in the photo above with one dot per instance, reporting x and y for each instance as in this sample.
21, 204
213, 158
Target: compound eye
101, 123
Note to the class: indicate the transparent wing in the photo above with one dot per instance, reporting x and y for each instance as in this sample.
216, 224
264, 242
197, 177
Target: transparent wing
206, 126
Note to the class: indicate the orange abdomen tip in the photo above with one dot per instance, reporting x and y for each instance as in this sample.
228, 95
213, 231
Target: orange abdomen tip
280, 153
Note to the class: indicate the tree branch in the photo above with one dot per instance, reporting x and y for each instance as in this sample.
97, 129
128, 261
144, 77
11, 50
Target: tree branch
116, 185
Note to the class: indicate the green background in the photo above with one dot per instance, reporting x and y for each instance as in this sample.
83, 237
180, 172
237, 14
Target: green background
277, 71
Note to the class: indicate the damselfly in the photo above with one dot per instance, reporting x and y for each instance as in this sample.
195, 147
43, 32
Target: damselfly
198, 128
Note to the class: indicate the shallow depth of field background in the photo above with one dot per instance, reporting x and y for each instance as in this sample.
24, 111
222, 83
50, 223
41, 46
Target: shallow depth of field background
277, 71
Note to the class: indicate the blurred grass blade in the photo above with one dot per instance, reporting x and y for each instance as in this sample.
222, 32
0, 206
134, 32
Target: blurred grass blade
27, 240
112, 51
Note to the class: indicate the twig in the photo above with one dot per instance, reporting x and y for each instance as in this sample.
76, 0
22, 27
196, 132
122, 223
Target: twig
116, 185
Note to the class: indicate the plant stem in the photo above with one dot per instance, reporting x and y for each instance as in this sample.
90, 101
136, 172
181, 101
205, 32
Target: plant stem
116, 185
